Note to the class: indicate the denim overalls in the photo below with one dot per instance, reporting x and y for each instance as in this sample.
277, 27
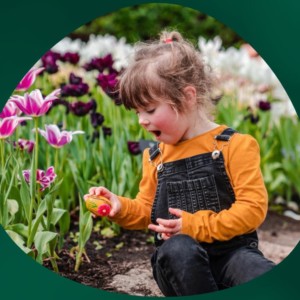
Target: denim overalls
192, 184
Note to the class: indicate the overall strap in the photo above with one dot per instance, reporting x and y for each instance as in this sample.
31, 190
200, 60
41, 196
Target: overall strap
154, 151
225, 135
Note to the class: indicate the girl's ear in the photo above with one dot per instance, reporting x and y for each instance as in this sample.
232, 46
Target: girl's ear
190, 95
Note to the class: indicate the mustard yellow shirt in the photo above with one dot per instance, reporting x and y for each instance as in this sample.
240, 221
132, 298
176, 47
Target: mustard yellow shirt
242, 163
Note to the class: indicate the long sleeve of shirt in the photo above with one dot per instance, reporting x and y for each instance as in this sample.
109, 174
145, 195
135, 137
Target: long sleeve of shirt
248, 211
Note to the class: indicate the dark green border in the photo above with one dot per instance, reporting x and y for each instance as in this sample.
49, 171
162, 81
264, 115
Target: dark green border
29, 28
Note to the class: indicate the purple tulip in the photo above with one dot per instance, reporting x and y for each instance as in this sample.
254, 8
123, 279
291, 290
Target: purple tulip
80, 108
75, 88
71, 57
42, 177
28, 80
49, 60
8, 125
107, 82
100, 64
57, 138
97, 119
25, 145
9, 110
134, 147
107, 131
264, 105
34, 104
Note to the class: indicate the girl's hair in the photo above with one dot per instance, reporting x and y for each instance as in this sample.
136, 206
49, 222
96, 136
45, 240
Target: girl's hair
161, 70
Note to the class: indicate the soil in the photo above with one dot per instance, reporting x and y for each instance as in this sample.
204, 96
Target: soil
122, 264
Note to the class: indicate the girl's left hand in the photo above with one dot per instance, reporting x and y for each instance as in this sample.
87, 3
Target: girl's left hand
168, 227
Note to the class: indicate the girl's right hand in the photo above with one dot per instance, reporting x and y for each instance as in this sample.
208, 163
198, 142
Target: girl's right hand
102, 191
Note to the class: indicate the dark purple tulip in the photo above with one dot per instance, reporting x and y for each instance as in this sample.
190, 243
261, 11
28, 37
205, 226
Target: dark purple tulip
264, 105
70, 57
134, 147
80, 108
97, 119
106, 131
100, 64
73, 79
107, 82
75, 90
49, 60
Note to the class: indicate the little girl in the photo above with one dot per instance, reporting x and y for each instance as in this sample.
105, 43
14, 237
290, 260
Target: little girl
202, 190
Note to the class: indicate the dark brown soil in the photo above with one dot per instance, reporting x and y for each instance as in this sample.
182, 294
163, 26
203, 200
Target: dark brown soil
130, 250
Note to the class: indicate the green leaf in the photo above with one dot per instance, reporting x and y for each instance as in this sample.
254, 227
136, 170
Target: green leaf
41, 242
19, 241
57, 214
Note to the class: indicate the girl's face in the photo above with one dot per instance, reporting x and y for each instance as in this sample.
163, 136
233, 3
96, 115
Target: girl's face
164, 122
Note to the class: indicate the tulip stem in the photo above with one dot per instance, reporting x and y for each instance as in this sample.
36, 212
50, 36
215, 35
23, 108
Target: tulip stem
33, 183
56, 161
36, 158
2, 149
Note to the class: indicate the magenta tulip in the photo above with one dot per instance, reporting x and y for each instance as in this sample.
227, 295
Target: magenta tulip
57, 138
8, 125
25, 145
9, 110
34, 104
28, 80
44, 178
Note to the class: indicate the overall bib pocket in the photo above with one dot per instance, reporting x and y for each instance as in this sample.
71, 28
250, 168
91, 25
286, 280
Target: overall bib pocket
193, 195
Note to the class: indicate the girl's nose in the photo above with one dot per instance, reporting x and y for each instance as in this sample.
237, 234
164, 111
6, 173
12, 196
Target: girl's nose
143, 121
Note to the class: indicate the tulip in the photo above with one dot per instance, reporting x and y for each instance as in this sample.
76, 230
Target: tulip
49, 60
264, 105
134, 147
76, 87
71, 57
9, 110
97, 119
100, 64
34, 104
8, 125
80, 108
44, 178
28, 80
25, 145
57, 138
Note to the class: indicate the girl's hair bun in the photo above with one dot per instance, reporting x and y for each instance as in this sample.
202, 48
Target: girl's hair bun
170, 36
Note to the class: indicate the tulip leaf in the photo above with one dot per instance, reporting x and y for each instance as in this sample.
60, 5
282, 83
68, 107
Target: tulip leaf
25, 196
57, 214
19, 228
41, 242
36, 222
19, 241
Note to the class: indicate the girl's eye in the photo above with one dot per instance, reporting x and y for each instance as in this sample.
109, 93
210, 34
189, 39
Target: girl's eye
151, 111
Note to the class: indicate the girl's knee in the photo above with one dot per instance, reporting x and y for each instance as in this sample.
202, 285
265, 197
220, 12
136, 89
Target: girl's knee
180, 247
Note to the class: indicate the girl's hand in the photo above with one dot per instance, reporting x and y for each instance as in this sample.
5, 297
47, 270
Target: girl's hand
102, 191
168, 227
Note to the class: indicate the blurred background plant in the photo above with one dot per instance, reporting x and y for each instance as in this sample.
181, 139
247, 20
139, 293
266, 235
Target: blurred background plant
41, 210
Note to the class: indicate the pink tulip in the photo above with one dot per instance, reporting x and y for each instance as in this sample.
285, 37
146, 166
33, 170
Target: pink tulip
9, 110
28, 80
42, 177
9, 125
34, 104
57, 138
25, 145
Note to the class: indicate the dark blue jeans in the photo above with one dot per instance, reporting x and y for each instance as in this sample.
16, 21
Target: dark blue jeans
183, 266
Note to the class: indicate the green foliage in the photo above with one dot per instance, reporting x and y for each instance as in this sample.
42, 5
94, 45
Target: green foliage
143, 22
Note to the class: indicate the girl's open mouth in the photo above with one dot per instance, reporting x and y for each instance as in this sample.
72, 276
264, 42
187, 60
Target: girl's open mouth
157, 133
